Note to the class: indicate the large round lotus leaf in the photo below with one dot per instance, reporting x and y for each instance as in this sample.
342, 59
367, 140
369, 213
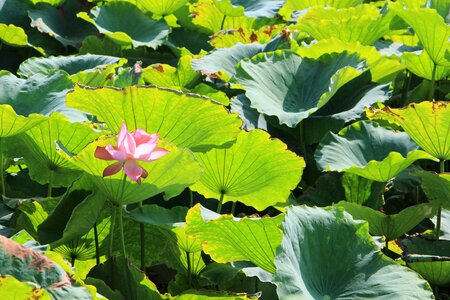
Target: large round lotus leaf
126, 24
227, 239
436, 187
363, 23
256, 171
431, 29
422, 65
250, 8
12, 124
283, 84
169, 174
429, 258
44, 161
368, 150
61, 22
27, 265
186, 120
427, 123
159, 8
325, 254
296, 5
390, 226
211, 19
70, 64
382, 69
40, 93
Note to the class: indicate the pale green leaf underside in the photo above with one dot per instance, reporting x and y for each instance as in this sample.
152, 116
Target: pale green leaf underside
368, 150
186, 120
422, 65
325, 254
12, 124
294, 5
170, 174
228, 239
390, 226
427, 123
256, 171
283, 84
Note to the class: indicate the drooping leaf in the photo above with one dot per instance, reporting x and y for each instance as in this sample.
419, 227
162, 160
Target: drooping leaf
436, 187
382, 69
61, 22
426, 123
228, 239
124, 23
431, 29
169, 174
13, 35
45, 162
256, 171
368, 150
39, 93
12, 124
167, 76
390, 226
325, 254
363, 23
186, 120
69, 64
429, 258
283, 84
27, 265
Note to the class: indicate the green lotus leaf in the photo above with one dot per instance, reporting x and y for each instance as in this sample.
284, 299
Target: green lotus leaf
363, 23
27, 265
70, 64
426, 123
15, 12
251, 9
431, 29
205, 295
368, 150
158, 8
297, 5
157, 215
13, 35
167, 76
210, 92
436, 187
423, 66
211, 19
227, 239
119, 275
445, 224
283, 84
256, 171
61, 22
442, 7
12, 288
360, 190
124, 23
43, 94
263, 35
325, 254
390, 226
200, 124
12, 124
33, 213
45, 162
170, 174
382, 68
225, 59
429, 258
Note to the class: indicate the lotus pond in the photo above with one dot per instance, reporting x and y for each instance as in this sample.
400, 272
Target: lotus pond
224, 149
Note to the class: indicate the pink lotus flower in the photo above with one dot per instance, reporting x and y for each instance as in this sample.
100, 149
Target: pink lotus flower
131, 147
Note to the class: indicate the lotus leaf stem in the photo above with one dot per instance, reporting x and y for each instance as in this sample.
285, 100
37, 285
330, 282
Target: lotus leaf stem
223, 22
188, 260
50, 184
233, 208
433, 82
142, 241
111, 231
219, 207
2, 172
97, 250
122, 236
191, 198
439, 212
302, 138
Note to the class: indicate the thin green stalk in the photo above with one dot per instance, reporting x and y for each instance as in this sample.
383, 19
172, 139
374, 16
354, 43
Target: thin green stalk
122, 236
2, 172
302, 139
223, 22
191, 198
219, 207
405, 88
439, 212
97, 248
233, 208
142, 239
188, 260
111, 231
50, 184
433, 82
